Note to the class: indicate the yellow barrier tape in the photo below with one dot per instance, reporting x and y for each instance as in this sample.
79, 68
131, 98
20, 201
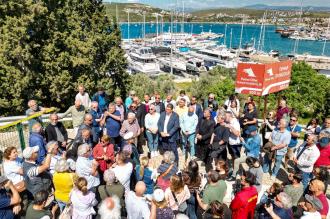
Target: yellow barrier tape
49, 110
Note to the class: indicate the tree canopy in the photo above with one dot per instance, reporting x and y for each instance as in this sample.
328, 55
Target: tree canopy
48, 47
309, 91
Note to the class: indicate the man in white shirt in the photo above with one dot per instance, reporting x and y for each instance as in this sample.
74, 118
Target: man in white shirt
87, 168
83, 96
136, 205
184, 96
305, 157
234, 141
311, 206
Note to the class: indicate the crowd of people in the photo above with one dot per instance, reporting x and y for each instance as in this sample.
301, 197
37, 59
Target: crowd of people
105, 172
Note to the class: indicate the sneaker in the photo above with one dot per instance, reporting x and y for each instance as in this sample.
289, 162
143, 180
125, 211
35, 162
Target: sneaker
152, 154
273, 178
156, 153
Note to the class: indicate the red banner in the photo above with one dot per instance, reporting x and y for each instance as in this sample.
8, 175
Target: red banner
263, 79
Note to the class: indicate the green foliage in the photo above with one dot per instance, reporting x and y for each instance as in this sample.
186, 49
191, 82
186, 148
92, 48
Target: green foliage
218, 81
48, 47
143, 84
309, 92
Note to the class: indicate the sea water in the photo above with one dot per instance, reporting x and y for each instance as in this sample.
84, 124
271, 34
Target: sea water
251, 33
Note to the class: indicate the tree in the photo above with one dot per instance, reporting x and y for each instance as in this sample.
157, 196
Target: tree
143, 84
309, 92
218, 81
48, 47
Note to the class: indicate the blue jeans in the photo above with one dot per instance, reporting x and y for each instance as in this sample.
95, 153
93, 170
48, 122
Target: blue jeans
267, 163
152, 141
191, 206
191, 139
306, 177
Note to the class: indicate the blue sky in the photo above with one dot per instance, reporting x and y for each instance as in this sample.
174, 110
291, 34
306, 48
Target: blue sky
225, 3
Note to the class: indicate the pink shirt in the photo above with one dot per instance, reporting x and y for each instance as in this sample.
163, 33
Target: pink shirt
181, 197
324, 211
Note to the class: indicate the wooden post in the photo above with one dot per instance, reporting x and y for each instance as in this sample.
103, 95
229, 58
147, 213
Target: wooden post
265, 107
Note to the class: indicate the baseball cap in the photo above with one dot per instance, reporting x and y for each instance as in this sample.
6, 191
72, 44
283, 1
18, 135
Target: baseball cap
158, 195
3, 179
28, 151
250, 129
317, 204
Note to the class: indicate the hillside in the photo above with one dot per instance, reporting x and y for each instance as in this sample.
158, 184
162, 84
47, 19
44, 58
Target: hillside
136, 11
252, 14
287, 8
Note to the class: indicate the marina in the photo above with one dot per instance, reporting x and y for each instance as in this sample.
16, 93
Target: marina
187, 49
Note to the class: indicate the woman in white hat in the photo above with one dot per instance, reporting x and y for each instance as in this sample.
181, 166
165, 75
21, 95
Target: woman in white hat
159, 206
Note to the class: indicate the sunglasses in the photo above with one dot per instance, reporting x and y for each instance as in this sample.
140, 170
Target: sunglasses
133, 106
293, 120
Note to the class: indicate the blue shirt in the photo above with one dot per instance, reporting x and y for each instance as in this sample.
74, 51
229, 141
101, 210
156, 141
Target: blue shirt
95, 115
102, 103
294, 140
281, 138
252, 146
36, 139
5, 208
112, 125
146, 178
128, 101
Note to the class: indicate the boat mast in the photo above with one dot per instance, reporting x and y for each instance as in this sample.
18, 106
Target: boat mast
162, 25
260, 35
144, 27
240, 40
171, 42
225, 38
157, 29
296, 43
231, 37
325, 39
129, 40
182, 25
264, 34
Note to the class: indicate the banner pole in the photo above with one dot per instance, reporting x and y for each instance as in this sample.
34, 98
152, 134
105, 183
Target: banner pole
265, 107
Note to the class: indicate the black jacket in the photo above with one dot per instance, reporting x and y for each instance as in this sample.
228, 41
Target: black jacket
205, 128
51, 133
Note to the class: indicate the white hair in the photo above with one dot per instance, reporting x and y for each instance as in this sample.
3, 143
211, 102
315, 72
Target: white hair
51, 143
131, 115
285, 121
169, 157
181, 216
82, 149
285, 200
106, 213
